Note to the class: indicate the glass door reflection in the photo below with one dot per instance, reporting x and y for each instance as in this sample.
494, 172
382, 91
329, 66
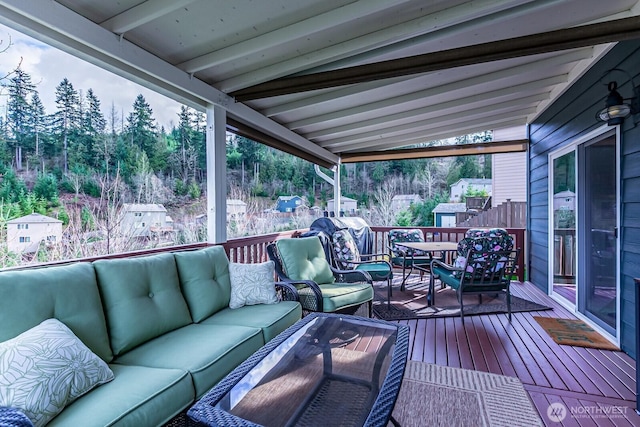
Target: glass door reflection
564, 226
598, 228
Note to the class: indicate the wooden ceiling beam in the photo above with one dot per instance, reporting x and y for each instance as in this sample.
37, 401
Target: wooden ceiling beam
552, 41
482, 148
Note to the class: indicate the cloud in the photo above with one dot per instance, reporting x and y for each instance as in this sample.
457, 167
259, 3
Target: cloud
48, 66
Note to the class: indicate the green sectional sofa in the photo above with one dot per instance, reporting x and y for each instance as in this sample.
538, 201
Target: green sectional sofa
162, 324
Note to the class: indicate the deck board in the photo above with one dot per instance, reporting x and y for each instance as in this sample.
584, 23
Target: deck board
597, 386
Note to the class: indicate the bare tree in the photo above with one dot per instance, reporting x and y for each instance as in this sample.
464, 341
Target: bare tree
382, 212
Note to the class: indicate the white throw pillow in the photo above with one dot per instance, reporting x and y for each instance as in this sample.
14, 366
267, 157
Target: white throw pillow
252, 284
46, 368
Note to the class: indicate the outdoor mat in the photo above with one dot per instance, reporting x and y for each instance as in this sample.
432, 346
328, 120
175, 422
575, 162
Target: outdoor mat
412, 303
574, 332
433, 395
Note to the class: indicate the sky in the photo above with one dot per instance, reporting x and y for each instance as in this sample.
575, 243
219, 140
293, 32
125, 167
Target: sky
48, 66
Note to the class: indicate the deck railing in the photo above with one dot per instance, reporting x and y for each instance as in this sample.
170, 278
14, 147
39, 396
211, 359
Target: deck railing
252, 249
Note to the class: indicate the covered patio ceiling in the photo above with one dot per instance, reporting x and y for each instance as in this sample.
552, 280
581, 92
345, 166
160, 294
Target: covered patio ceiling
344, 80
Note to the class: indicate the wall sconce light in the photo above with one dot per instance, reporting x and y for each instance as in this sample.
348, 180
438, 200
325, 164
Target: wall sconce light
616, 109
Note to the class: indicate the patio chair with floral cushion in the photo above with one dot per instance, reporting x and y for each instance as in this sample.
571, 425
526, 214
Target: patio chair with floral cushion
485, 264
321, 287
346, 256
406, 258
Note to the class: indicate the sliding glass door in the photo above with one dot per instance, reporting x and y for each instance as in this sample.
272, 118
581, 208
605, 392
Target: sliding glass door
598, 216
583, 224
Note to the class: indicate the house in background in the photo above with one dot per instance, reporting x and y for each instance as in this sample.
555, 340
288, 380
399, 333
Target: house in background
401, 202
236, 209
459, 188
24, 234
141, 220
508, 170
348, 206
564, 200
444, 215
288, 203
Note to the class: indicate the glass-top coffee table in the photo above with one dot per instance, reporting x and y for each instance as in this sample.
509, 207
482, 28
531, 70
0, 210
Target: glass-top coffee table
327, 369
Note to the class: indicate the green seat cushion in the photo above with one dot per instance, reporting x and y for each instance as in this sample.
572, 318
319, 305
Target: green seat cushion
271, 318
447, 276
304, 259
408, 262
337, 296
68, 293
377, 270
452, 279
142, 299
208, 352
204, 278
137, 396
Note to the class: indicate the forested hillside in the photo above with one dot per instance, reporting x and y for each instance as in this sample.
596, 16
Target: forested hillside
77, 163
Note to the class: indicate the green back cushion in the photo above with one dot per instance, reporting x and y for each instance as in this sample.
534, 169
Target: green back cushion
142, 299
304, 259
204, 278
68, 293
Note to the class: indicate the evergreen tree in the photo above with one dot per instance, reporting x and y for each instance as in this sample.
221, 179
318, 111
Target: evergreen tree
141, 126
66, 121
93, 130
200, 142
185, 140
19, 112
37, 121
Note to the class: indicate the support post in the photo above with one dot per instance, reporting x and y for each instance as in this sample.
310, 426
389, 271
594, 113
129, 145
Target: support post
216, 174
336, 191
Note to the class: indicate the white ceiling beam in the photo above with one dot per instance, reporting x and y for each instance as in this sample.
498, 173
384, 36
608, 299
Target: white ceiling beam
58, 26
576, 72
513, 95
312, 101
494, 19
433, 22
515, 47
448, 89
439, 134
142, 14
329, 95
300, 29
415, 130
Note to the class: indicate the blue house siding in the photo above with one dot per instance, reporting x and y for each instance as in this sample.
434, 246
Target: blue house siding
288, 204
570, 117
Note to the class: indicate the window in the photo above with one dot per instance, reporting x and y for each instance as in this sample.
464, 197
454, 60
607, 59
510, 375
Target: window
23, 226
137, 214
25, 239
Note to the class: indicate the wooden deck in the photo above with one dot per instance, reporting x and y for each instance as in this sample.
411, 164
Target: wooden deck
596, 386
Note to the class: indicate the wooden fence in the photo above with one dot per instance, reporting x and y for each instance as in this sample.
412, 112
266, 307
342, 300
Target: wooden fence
506, 215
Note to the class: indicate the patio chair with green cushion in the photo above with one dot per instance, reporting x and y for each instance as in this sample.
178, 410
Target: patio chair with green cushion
487, 267
346, 256
321, 287
406, 257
